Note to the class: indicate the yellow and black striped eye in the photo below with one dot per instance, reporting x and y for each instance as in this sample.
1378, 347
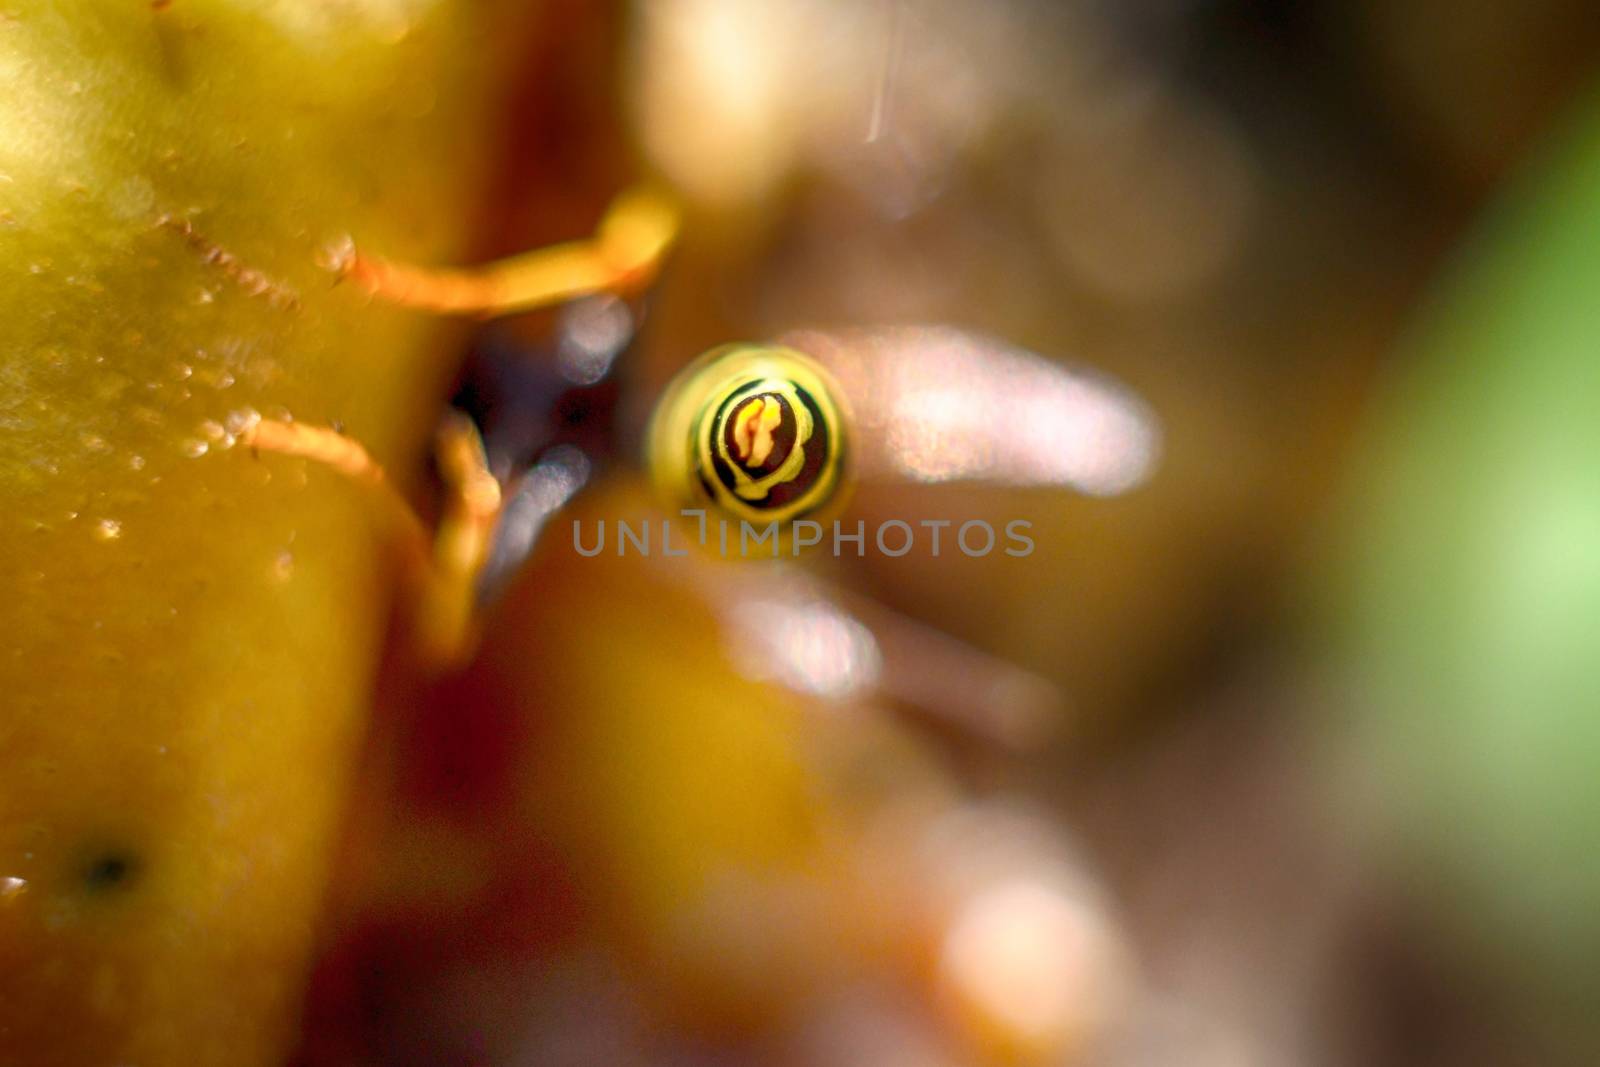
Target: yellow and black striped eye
757, 431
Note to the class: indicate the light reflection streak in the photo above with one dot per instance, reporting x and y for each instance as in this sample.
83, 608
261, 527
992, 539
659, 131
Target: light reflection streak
593, 333
808, 645
883, 100
538, 495
791, 629
937, 404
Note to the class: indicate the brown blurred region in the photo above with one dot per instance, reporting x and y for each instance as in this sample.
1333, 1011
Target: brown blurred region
1231, 206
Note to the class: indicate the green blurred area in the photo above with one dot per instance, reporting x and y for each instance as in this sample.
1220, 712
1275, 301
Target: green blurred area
1473, 601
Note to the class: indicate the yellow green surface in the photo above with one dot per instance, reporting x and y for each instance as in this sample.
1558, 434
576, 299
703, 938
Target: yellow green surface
1471, 603
188, 632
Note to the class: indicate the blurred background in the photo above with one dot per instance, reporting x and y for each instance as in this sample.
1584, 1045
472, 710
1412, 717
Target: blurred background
1319, 787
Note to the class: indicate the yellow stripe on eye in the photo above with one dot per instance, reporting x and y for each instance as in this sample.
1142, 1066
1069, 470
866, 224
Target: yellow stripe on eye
760, 489
755, 490
752, 429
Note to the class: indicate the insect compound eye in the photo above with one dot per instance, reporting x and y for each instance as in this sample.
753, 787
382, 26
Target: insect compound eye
755, 431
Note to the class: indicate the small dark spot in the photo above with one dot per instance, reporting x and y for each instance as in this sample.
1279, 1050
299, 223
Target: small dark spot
111, 870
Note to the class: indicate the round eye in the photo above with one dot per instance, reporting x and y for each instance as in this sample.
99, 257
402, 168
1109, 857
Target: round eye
757, 431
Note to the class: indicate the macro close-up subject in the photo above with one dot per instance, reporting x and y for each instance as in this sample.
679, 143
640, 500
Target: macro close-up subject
799, 533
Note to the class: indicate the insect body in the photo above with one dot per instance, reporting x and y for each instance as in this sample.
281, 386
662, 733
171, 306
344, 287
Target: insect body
758, 432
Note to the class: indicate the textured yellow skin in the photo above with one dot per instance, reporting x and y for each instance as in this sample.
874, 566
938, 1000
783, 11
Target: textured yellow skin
187, 640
